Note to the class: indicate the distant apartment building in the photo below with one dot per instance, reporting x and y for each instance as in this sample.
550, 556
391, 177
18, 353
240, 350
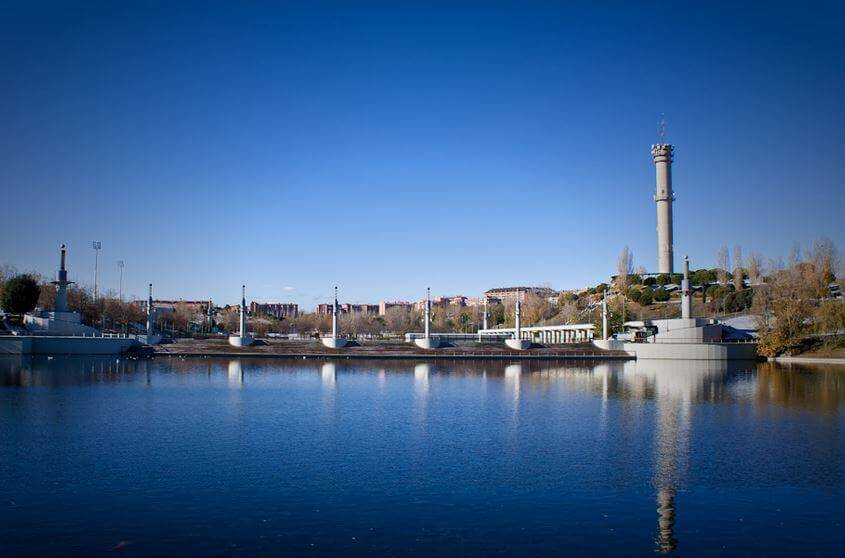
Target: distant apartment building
346, 308
384, 306
275, 309
479, 300
508, 294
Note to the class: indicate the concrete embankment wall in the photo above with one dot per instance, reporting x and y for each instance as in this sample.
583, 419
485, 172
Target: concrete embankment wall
693, 351
50, 345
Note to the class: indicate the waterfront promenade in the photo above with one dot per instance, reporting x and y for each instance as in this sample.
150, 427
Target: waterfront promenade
380, 349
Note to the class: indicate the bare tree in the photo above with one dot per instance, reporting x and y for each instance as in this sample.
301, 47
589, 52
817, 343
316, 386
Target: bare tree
755, 263
723, 264
738, 272
624, 268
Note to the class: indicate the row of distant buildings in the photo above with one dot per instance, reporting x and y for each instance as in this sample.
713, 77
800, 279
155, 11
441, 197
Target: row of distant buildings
493, 296
281, 310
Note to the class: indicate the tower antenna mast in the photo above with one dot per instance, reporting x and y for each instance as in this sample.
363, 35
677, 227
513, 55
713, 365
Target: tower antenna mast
662, 128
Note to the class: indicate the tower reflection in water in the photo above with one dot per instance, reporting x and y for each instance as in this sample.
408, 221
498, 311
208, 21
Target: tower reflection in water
675, 386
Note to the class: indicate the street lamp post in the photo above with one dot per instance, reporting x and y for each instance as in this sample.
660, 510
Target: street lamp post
97, 246
120, 289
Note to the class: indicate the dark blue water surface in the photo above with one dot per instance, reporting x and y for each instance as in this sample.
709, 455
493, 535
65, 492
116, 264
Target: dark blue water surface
217, 457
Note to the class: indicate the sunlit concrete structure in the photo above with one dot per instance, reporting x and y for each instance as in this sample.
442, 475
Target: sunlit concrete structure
60, 321
62, 332
427, 342
334, 342
547, 335
242, 339
684, 338
662, 154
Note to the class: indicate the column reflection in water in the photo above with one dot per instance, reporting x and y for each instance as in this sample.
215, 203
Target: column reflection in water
328, 375
513, 379
235, 376
422, 371
676, 385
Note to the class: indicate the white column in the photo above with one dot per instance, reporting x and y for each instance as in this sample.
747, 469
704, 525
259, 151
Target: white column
686, 302
604, 331
334, 315
243, 310
427, 312
150, 311
517, 310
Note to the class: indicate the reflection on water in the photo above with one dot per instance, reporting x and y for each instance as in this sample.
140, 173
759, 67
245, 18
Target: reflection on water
235, 374
470, 426
328, 374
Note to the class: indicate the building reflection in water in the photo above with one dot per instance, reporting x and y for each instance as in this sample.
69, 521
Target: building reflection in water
675, 387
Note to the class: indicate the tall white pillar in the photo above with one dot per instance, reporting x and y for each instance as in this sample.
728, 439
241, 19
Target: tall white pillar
150, 310
428, 312
686, 302
662, 154
243, 310
517, 312
604, 316
485, 312
335, 311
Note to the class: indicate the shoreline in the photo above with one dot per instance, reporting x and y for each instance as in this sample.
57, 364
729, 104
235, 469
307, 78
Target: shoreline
395, 356
808, 360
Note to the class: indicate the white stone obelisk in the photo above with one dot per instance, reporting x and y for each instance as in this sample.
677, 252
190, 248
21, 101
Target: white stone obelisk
427, 342
428, 312
686, 299
483, 319
242, 339
334, 342
150, 311
334, 314
604, 332
243, 311
518, 342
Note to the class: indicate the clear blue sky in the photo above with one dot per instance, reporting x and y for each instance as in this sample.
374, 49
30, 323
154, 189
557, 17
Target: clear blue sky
389, 146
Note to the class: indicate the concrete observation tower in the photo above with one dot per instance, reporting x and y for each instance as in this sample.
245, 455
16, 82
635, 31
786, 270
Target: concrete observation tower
662, 153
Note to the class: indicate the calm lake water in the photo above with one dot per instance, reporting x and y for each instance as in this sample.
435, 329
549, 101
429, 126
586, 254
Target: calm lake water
176, 457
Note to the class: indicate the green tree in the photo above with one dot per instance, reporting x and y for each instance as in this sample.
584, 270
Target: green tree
20, 294
661, 295
646, 297
614, 319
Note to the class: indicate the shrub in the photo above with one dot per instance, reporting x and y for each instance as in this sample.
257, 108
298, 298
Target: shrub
661, 295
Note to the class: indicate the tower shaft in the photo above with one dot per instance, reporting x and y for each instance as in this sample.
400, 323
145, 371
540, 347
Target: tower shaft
663, 153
